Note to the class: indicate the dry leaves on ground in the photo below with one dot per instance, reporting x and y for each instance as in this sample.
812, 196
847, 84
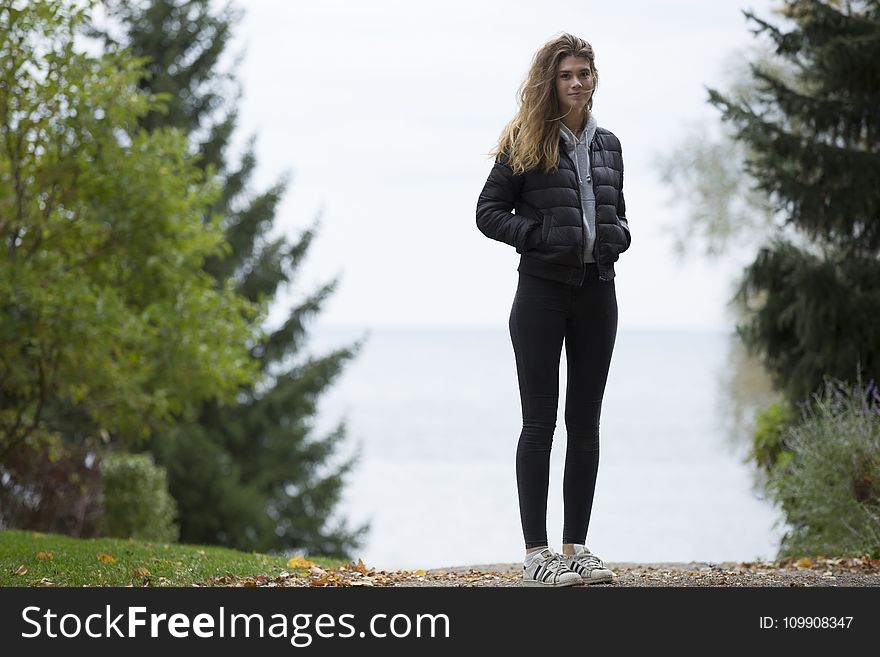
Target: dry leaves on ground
358, 574
308, 573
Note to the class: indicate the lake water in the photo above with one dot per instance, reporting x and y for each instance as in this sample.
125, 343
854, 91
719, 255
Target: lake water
436, 414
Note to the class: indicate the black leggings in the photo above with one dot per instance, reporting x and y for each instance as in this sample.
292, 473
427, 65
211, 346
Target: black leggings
544, 313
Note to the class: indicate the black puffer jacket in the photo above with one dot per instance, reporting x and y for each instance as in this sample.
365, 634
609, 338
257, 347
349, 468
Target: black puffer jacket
547, 228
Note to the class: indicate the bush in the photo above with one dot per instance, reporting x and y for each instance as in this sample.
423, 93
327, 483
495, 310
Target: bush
137, 503
829, 485
771, 427
51, 485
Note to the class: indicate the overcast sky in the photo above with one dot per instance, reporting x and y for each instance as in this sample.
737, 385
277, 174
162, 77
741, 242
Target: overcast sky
383, 113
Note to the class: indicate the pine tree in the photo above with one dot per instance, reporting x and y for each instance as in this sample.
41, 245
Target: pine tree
815, 151
248, 476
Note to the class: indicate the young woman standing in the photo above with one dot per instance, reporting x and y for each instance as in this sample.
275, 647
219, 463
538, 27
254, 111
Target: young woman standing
555, 193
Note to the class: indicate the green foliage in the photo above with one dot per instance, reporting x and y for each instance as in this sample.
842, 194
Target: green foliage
817, 317
812, 137
771, 426
137, 503
829, 485
105, 230
250, 475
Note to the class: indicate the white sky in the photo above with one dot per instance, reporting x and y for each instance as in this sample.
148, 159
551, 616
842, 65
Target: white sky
383, 113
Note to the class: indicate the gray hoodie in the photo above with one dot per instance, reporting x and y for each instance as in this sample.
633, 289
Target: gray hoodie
579, 152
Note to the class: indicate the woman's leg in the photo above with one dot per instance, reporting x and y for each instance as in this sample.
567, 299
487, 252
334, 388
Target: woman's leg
537, 328
590, 334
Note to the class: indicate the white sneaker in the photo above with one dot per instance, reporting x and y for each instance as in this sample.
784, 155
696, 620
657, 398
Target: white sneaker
549, 569
588, 566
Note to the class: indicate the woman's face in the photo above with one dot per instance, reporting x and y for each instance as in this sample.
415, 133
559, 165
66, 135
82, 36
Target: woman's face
574, 84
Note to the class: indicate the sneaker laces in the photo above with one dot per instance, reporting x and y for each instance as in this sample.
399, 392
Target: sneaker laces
557, 564
589, 560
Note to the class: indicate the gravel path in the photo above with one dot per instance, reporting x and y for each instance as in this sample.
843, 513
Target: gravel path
784, 572
790, 572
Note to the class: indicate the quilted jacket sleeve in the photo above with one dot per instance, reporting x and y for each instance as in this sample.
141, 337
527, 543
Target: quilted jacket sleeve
621, 207
494, 216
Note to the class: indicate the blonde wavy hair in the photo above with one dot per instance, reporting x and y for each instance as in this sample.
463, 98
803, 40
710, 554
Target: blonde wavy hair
531, 139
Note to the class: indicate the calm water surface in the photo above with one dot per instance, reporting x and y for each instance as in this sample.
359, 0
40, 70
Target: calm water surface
436, 414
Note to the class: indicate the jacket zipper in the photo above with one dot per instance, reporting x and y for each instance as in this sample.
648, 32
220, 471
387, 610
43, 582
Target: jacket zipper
583, 230
596, 240
583, 241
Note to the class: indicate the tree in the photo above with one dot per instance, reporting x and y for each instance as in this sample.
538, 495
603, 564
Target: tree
726, 217
724, 210
107, 312
813, 149
249, 476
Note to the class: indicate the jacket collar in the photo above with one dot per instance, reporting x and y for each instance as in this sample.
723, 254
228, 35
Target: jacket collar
586, 136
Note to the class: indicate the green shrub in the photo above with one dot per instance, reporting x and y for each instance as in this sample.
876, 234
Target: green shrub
137, 503
771, 426
829, 485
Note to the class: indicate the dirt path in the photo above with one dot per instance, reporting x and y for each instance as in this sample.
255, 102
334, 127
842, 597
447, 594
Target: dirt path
679, 574
784, 572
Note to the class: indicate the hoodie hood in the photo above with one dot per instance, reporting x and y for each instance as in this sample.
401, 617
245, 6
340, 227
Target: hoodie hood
586, 135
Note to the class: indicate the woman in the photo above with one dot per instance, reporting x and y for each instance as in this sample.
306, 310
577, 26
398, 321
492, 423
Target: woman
562, 176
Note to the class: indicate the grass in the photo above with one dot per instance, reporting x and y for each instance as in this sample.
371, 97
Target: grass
66, 561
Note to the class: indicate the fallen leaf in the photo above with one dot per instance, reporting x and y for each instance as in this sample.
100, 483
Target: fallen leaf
359, 566
43, 556
300, 562
106, 558
141, 572
419, 572
803, 562
22, 570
